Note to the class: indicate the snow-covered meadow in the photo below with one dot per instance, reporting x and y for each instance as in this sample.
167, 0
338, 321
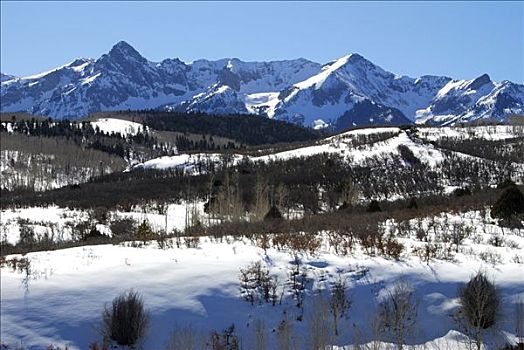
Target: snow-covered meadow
57, 297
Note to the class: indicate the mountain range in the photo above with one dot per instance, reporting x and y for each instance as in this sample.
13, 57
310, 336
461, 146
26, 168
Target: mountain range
343, 93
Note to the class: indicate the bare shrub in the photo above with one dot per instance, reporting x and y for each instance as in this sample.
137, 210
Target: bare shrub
27, 235
256, 284
298, 281
125, 321
185, 338
426, 252
398, 313
319, 324
393, 248
339, 302
227, 340
192, 242
479, 307
519, 321
490, 257
259, 335
285, 334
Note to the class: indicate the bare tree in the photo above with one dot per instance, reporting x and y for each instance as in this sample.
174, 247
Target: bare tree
519, 322
339, 302
398, 313
259, 335
285, 337
479, 307
185, 338
320, 324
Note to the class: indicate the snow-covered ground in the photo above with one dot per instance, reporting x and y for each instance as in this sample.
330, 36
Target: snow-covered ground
340, 144
59, 298
121, 126
489, 133
107, 125
57, 223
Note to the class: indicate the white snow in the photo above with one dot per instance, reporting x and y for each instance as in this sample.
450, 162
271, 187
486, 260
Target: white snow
318, 79
489, 133
59, 299
113, 125
338, 144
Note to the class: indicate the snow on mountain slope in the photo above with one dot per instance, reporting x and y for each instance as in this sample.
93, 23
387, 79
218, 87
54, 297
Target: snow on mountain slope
341, 144
59, 300
354, 84
343, 93
469, 100
490, 133
6, 77
120, 126
219, 99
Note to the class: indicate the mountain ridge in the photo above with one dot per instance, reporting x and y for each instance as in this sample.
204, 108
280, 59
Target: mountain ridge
348, 91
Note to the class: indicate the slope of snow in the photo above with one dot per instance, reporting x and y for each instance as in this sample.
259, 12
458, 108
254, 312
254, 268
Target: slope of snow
490, 133
121, 126
60, 300
338, 144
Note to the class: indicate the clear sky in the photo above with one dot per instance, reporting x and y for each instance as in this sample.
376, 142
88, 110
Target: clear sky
457, 39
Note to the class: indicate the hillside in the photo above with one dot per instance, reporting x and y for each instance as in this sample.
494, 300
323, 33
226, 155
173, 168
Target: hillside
369, 210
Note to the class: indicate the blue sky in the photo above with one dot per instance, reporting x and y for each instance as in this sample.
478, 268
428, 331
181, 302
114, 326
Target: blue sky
458, 39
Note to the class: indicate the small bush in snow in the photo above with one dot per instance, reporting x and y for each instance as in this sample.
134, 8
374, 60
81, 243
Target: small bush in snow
256, 284
227, 340
490, 257
496, 241
125, 321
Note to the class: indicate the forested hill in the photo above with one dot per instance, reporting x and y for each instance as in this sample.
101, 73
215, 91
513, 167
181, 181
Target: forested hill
245, 129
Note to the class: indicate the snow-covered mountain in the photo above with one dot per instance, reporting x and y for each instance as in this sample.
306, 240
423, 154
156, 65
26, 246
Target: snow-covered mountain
346, 92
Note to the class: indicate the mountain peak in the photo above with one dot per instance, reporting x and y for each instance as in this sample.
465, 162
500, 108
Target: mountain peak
479, 82
122, 48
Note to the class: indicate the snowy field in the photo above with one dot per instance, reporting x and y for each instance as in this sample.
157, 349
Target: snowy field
490, 133
59, 296
118, 126
57, 223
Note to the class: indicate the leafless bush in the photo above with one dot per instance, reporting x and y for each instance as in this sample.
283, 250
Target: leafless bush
259, 335
185, 338
227, 340
479, 307
125, 321
490, 257
319, 324
393, 248
519, 321
192, 242
297, 242
257, 285
426, 252
286, 339
398, 313
298, 281
339, 302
